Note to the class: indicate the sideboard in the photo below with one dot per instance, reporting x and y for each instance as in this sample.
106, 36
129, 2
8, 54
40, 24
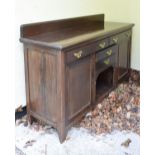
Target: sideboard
71, 64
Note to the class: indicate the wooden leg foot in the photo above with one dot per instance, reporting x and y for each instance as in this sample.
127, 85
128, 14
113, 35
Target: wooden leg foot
62, 133
30, 119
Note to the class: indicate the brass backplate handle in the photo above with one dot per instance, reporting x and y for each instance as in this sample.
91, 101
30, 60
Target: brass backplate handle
102, 45
107, 61
115, 39
127, 34
78, 54
109, 52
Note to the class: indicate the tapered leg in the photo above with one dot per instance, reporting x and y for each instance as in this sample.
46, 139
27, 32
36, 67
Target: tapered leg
30, 119
62, 132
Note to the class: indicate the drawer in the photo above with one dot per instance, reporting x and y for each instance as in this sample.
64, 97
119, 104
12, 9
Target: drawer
105, 63
106, 53
101, 44
79, 53
116, 39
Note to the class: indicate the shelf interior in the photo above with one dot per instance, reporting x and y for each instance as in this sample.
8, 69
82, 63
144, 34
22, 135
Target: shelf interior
104, 82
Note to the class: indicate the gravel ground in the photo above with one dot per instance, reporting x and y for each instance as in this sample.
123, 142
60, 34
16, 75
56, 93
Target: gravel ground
118, 111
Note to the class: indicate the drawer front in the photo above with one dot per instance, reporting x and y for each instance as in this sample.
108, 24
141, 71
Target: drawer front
83, 51
78, 53
116, 39
106, 62
106, 53
109, 60
101, 44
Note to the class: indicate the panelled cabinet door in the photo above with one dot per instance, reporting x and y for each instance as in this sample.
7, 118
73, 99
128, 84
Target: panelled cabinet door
78, 86
123, 60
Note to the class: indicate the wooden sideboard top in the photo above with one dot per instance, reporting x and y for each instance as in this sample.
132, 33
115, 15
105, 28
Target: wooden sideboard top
63, 34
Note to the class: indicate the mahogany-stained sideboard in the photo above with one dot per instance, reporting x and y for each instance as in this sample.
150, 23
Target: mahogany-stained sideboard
70, 64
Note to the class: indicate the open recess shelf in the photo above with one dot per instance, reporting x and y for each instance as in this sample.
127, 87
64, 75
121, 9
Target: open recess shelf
104, 83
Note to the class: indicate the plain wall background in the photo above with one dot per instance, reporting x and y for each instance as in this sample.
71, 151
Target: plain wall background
28, 11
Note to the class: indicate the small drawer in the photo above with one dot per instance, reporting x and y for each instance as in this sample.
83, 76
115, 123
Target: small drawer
78, 53
119, 37
128, 34
105, 63
106, 53
115, 39
109, 60
101, 44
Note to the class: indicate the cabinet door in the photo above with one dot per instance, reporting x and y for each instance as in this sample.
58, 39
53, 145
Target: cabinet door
124, 55
78, 86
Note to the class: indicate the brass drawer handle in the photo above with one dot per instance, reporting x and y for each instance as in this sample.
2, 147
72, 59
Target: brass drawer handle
102, 45
107, 61
78, 54
127, 34
109, 52
115, 40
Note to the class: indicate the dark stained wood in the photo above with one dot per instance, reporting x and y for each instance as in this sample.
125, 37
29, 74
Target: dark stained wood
66, 62
43, 80
57, 25
105, 58
71, 37
86, 49
36, 77
27, 84
78, 86
61, 96
49, 89
123, 40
